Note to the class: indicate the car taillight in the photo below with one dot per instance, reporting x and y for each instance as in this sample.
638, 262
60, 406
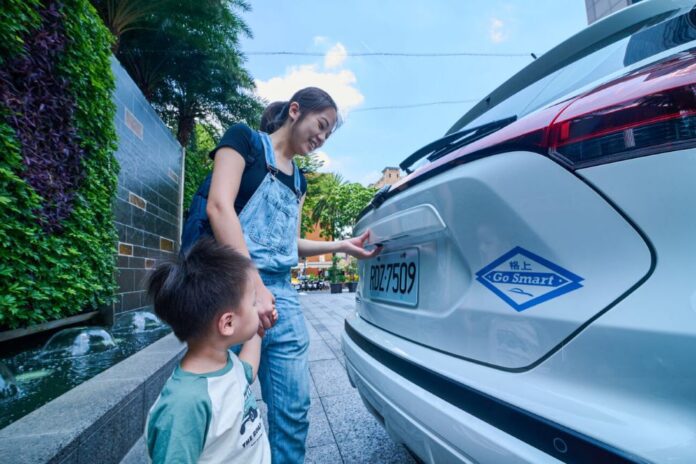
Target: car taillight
660, 121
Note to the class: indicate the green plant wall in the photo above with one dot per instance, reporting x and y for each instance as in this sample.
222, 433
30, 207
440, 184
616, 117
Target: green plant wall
57, 170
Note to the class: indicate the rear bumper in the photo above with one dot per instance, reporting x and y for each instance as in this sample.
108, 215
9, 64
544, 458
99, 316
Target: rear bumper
444, 421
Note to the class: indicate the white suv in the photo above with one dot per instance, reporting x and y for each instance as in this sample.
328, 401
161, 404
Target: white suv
536, 297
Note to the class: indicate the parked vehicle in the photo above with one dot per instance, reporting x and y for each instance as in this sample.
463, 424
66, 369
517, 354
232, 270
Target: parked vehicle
535, 300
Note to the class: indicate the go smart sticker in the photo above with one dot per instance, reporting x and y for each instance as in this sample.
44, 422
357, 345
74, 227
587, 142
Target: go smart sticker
523, 279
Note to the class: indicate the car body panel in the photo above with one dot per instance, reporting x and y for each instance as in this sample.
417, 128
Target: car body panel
479, 212
605, 411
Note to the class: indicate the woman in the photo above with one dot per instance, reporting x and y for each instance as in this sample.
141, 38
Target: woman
253, 202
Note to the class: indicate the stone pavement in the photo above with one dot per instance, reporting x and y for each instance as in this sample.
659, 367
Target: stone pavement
341, 430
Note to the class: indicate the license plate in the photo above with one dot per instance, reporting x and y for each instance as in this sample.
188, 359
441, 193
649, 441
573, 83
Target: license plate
393, 277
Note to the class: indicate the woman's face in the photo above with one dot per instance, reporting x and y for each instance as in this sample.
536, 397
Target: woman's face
310, 133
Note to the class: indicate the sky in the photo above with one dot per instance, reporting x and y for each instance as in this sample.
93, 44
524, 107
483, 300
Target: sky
371, 139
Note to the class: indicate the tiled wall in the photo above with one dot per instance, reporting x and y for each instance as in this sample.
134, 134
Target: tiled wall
147, 207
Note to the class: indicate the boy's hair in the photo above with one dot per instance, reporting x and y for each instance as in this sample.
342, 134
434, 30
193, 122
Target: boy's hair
188, 293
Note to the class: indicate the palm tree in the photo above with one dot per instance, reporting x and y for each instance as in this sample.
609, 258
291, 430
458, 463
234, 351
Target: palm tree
328, 207
124, 15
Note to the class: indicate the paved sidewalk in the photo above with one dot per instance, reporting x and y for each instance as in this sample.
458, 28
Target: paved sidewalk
341, 430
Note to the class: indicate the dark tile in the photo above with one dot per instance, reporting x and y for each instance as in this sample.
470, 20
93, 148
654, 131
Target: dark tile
150, 223
151, 240
136, 263
139, 216
140, 278
135, 236
131, 300
122, 214
151, 196
124, 280
122, 261
121, 231
118, 304
140, 252
154, 209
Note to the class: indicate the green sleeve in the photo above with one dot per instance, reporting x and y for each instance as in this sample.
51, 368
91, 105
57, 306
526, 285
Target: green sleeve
178, 424
248, 372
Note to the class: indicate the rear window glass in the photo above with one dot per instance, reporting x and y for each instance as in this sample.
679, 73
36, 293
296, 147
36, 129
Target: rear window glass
603, 62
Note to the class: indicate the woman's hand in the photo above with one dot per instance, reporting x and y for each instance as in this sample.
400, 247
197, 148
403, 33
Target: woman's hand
355, 247
265, 305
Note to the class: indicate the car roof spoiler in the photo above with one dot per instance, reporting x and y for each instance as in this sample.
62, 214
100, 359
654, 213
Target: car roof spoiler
621, 23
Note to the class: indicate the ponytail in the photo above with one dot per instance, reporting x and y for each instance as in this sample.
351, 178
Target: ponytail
274, 116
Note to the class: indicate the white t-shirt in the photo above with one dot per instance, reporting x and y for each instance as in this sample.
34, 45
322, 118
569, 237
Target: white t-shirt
208, 418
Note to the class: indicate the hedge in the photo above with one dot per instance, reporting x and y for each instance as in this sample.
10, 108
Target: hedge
57, 170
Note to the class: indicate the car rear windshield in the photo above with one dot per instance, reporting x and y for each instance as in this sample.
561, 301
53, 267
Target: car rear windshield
647, 42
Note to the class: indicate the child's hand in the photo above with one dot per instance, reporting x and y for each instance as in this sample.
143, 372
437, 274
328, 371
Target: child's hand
273, 317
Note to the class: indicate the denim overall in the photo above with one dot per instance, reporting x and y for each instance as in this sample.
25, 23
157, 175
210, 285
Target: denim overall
269, 223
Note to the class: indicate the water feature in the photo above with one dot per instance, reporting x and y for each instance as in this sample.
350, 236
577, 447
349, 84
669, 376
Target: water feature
35, 376
137, 322
8, 383
76, 342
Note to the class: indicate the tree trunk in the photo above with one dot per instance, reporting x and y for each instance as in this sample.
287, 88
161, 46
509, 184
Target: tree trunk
185, 129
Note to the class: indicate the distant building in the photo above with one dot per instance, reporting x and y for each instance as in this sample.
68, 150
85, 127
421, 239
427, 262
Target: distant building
597, 9
390, 176
314, 265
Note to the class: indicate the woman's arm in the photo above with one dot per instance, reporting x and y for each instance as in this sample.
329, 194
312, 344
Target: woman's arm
227, 176
353, 246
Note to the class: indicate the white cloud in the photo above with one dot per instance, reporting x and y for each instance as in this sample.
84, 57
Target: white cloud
328, 165
496, 32
339, 84
335, 56
320, 40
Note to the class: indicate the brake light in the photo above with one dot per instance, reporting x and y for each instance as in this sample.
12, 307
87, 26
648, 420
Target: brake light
649, 111
660, 121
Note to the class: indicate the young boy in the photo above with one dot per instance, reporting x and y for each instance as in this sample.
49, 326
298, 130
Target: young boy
206, 411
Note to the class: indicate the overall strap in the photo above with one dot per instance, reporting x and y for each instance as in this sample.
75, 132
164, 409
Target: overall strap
268, 152
296, 176
271, 163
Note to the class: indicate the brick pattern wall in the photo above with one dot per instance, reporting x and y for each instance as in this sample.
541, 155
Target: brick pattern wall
147, 207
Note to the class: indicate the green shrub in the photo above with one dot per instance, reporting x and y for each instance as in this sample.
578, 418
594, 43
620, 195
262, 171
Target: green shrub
52, 272
198, 163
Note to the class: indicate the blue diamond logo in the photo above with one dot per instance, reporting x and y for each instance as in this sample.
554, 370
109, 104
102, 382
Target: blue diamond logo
523, 279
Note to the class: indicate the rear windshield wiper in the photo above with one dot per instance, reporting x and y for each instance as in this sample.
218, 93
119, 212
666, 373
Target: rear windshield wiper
446, 144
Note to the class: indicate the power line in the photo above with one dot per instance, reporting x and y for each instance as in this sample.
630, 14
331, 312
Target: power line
174, 51
415, 105
421, 55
